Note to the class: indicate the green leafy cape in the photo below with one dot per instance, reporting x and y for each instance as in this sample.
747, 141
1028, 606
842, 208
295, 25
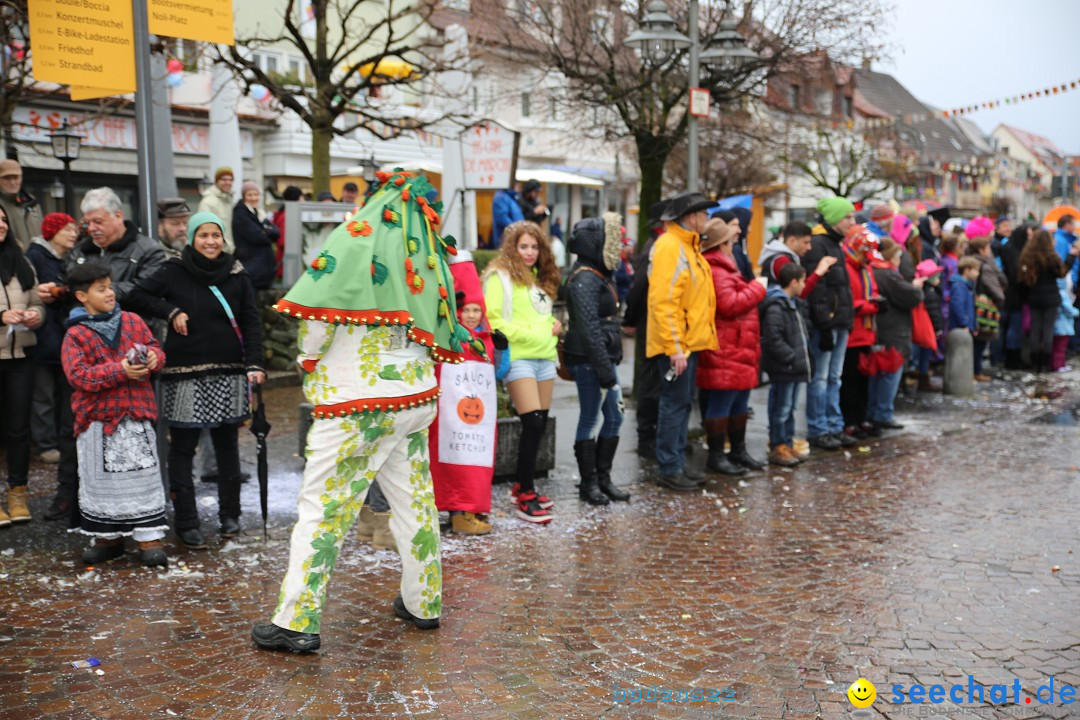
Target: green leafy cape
386, 265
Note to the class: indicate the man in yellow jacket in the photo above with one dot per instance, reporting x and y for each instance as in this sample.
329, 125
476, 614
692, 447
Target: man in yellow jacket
682, 309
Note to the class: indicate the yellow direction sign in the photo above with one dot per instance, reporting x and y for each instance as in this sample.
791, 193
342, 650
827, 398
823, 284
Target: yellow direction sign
81, 92
202, 20
83, 42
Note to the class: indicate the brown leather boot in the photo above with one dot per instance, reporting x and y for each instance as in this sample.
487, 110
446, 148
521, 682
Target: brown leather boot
17, 507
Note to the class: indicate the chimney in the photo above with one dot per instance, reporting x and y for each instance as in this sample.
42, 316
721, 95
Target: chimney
866, 62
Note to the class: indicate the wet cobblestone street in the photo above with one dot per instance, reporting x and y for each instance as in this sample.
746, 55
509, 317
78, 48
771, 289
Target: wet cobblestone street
945, 550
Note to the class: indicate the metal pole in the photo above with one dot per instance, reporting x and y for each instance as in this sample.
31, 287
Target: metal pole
144, 117
695, 78
69, 192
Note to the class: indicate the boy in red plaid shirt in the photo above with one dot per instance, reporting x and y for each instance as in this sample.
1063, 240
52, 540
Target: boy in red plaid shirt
108, 356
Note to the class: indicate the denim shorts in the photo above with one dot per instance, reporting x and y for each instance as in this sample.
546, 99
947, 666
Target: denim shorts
538, 370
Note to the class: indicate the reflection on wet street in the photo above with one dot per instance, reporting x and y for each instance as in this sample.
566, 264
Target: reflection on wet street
945, 550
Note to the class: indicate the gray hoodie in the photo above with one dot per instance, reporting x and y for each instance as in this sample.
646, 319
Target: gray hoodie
773, 249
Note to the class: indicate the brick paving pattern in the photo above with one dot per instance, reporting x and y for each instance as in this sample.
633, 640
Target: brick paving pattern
923, 559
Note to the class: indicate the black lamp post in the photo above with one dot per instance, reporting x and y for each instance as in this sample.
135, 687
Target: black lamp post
370, 166
65, 147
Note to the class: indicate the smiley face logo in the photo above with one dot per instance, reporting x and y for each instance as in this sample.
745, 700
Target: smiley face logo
862, 693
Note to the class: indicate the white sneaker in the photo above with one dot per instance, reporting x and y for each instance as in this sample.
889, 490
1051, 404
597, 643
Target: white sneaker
1064, 368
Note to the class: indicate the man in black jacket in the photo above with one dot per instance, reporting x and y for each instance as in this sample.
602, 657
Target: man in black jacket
831, 315
130, 257
647, 382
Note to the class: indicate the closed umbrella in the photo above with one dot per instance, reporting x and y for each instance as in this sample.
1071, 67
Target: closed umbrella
260, 428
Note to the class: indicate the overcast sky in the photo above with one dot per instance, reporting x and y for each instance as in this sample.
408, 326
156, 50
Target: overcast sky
952, 53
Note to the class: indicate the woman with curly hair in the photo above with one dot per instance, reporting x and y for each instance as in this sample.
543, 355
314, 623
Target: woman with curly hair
1040, 268
519, 289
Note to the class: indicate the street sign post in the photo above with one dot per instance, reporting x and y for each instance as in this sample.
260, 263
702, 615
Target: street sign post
699, 102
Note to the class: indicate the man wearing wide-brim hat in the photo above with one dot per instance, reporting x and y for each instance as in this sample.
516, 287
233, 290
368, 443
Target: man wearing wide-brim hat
682, 305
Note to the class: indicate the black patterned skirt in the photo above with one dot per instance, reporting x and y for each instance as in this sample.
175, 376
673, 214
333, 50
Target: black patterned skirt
206, 401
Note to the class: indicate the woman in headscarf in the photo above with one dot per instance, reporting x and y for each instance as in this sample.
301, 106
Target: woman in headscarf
214, 346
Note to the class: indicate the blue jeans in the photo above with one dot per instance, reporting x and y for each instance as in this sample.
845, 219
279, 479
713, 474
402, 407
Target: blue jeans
782, 400
922, 359
883, 388
1014, 334
673, 420
588, 388
725, 403
823, 415
979, 347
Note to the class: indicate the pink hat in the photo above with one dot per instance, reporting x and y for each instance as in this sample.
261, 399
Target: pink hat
927, 268
981, 226
901, 229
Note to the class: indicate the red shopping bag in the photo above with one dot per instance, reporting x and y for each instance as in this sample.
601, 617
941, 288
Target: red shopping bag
922, 329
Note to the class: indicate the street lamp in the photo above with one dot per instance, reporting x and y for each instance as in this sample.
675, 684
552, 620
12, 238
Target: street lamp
65, 147
656, 39
370, 166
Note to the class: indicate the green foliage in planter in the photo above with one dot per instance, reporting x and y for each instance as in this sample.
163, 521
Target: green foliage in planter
506, 407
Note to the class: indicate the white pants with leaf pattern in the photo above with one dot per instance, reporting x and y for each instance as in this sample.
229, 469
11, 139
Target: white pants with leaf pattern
344, 456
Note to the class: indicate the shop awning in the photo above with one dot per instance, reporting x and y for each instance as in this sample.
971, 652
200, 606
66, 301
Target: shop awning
556, 177
544, 175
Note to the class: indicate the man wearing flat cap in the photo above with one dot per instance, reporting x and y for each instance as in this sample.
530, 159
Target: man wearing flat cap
22, 209
682, 307
173, 214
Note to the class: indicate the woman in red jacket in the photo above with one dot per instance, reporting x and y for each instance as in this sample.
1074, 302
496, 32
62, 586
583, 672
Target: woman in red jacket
726, 376
859, 247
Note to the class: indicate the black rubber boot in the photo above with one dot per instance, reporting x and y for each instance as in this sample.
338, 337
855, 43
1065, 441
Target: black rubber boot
605, 456
739, 454
585, 452
717, 430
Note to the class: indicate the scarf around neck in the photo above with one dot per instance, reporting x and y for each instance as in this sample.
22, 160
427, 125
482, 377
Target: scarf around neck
865, 281
107, 325
203, 269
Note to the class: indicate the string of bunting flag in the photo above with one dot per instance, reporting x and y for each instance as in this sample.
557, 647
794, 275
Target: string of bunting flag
912, 118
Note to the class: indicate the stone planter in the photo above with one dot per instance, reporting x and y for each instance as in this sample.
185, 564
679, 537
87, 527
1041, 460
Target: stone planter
506, 450
509, 431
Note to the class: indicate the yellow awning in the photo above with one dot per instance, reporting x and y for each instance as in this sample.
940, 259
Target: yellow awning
389, 67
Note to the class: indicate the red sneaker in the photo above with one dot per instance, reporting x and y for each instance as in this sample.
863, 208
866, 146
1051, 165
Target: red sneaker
545, 501
529, 509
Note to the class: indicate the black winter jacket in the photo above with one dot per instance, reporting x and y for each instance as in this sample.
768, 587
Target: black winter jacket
636, 314
594, 336
785, 338
830, 304
894, 326
50, 335
932, 300
211, 345
1016, 293
1044, 293
132, 258
255, 241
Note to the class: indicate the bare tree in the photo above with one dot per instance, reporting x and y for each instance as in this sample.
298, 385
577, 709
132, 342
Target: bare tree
348, 47
736, 154
15, 77
842, 162
584, 40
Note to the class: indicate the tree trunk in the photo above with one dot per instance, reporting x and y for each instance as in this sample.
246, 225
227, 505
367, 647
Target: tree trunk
320, 158
651, 162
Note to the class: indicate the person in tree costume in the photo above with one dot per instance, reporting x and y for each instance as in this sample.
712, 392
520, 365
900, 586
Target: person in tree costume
376, 311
